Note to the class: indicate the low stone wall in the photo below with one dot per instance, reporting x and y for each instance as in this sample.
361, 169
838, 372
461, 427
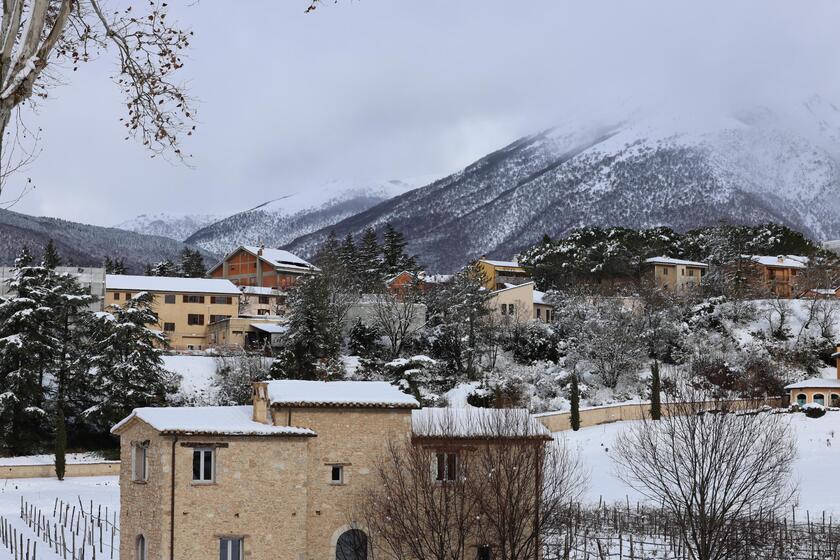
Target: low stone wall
110, 468
559, 421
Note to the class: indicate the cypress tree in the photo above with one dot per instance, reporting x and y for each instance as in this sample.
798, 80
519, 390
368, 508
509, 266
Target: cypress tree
60, 443
655, 390
574, 399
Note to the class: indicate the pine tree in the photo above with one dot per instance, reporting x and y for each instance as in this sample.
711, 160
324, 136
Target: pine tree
116, 266
329, 255
347, 253
52, 259
369, 263
165, 268
655, 391
148, 270
574, 401
192, 264
313, 341
128, 363
394, 258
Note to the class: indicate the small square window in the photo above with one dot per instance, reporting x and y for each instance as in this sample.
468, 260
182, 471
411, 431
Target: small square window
169, 327
446, 467
337, 474
116, 296
203, 465
169, 298
195, 319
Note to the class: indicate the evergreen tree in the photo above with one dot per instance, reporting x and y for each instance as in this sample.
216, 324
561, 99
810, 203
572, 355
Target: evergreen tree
116, 266
394, 259
192, 264
148, 270
363, 339
347, 254
165, 268
329, 256
655, 391
574, 401
313, 341
369, 263
52, 259
128, 363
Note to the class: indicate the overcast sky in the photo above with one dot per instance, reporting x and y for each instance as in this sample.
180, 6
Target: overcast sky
380, 89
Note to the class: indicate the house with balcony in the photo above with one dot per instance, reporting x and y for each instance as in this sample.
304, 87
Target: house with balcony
675, 275
260, 266
497, 274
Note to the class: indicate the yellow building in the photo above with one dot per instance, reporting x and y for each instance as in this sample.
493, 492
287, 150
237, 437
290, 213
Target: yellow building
676, 275
185, 306
821, 391
498, 273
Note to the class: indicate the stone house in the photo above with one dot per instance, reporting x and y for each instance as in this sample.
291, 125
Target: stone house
277, 479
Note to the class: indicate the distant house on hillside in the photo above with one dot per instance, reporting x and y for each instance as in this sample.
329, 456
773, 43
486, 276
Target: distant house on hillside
776, 275
499, 273
821, 391
520, 303
675, 275
259, 266
185, 306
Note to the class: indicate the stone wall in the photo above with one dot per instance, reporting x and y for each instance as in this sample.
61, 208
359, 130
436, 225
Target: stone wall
560, 421
48, 471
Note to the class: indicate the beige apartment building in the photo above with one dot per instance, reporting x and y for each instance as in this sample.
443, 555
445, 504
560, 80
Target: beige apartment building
676, 275
520, 303
281, 478
185, 306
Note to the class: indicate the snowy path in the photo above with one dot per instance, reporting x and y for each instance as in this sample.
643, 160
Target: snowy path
815, 470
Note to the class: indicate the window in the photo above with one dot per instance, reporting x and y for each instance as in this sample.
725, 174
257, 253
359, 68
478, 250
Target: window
682, 272
691, 272
819, 398
483, 553
504, 309
265, 300
139, 462
141, 547
230, 548
336, 474
169, 298
511, 309
169, 327
262, 311
539, 313
223, 300
446, 466
216, 318
801, 399
203, 470
352, 545
835, 400
116, 296
128, 296
193, 299
664, 272
194, 319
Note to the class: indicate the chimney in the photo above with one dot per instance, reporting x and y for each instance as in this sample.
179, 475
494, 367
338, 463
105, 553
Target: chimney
261, 249
781, 258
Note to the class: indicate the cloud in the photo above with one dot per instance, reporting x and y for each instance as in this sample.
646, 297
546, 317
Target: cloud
393, 88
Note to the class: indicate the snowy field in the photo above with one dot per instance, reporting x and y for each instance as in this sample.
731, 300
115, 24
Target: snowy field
42, 493
49, 459
815, 470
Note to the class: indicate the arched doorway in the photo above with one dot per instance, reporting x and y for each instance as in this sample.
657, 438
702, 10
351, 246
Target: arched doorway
801, 399
819, 399
352, 545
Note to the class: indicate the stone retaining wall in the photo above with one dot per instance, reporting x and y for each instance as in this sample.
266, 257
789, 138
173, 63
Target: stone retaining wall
559, 421
111, 468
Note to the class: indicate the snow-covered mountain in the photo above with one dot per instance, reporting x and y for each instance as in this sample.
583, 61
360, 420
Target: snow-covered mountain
296, 213
84, 245
643, 170
173, 226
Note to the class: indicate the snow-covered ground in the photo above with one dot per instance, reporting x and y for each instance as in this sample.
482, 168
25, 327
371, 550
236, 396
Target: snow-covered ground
42, 493
49, 459
815, 469
196, 375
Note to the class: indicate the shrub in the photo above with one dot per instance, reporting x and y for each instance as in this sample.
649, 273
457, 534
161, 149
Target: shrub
814, 410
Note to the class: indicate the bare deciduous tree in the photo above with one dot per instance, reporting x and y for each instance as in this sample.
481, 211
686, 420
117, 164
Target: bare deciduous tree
398, 318
37, 36
513, 485
709, 469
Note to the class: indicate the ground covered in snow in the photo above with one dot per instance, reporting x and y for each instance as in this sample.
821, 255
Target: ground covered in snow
815, 469
49, 459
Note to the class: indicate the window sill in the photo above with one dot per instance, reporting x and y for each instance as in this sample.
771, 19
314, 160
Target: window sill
203, 483
139, 481
333, 483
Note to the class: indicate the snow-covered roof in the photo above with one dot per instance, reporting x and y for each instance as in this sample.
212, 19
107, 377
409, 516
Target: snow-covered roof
437, 278
514, 286
472, 422
784, 261
271, 328
338, 393
816, 383
209, 420
539, 298
259, 290
170, 284
675, 262
509, 264
279, 257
